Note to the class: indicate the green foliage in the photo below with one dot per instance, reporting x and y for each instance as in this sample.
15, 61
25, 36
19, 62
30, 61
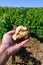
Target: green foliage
29, 17
2, 29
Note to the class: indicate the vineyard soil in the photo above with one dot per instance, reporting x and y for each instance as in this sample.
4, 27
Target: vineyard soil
35, 53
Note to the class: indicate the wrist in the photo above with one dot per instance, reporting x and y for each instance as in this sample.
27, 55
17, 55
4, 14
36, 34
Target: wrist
4, 58
2, 49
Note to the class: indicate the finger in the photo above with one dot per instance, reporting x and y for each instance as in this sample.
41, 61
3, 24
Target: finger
12, 50
16, 47
22, 43
11, 32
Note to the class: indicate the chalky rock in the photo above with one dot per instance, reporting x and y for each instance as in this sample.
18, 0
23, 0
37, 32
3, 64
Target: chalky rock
21, 32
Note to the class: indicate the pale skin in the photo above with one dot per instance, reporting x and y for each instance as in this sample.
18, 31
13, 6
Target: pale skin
9, 46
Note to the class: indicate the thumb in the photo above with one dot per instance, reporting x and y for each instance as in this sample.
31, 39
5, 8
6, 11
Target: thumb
11, 32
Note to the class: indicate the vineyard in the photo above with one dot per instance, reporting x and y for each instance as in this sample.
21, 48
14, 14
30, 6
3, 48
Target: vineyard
32, 18
29, 17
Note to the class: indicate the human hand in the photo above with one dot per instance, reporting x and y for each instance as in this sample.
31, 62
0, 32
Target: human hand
10, 45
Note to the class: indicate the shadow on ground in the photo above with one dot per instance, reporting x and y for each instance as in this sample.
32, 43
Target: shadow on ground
35, 36
26, 57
